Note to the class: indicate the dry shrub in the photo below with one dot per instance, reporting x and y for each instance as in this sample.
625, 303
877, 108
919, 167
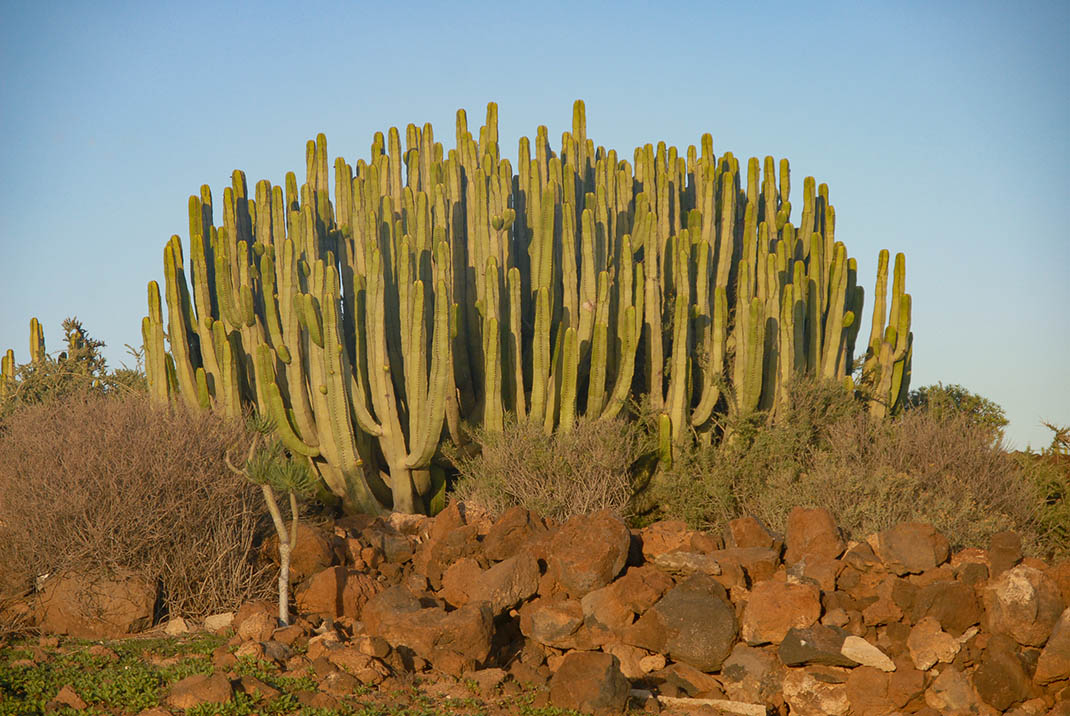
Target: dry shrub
708, 485
940, 469
97, 484
823, 450
568, 473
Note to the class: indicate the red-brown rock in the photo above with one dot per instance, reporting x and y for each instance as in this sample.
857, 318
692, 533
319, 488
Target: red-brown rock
453, 642
588, 552
200, 689
812, 532
748, 532
809, 693
590, 682
774, 607
510, 532
553, 622
911, 548
665, 536
459, 579
1024, 604
1054, 661
867, 692
1004, 552
337, 591
95, 606
951, 603
1001, 680
507, 583
694, 623
311, 553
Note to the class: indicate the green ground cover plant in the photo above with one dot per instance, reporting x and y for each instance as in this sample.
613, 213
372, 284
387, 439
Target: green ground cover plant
124, 677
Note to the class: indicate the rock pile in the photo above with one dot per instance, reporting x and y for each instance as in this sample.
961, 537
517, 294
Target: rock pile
667, 618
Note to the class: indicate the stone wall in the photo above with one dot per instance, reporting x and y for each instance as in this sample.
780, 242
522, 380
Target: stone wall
745, 622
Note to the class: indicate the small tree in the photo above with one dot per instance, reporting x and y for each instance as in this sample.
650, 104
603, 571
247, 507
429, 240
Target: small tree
268, 465
80, 369
945, 400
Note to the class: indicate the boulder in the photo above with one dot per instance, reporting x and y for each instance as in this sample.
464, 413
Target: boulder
200, 689
815, 644
953, 604
312, 552
510, 532
89, 606
553, 622
590, 682
257, 626
952, 693
812, 532
337, 591
751, 674
928, 644
1001, 680
459, 580
808, 693
1054, 661
1023, 603
867, 692
747, 532
453, 642
911, 548
665, 536
694, 623
774, 607
588, 552
507, 583
1004, 552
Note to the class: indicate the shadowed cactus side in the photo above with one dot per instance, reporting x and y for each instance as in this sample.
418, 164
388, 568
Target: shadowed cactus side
444, 290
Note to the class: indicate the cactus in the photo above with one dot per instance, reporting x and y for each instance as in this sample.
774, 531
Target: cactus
441, 290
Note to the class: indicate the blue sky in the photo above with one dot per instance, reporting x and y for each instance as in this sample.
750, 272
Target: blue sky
941, 128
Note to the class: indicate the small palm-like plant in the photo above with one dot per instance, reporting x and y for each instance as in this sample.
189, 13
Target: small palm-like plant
269, 466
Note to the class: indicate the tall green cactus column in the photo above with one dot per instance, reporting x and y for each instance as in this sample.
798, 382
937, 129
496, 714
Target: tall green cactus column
440, 291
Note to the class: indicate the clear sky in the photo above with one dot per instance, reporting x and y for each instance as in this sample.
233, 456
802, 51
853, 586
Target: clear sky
941, 128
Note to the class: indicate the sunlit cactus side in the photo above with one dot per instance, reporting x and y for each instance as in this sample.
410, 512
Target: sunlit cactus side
885, 380
37, 341
7, 373
7, 362
444, 290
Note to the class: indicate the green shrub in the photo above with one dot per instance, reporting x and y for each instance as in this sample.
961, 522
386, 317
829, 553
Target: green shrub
99, 483
709, 485
78, 370
567, 473
942, 400
1048, 474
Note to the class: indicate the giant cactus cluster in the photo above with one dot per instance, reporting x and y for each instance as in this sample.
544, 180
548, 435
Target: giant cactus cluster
440, 290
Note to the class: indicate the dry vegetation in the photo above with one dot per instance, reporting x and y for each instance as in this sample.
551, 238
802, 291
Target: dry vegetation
95, 482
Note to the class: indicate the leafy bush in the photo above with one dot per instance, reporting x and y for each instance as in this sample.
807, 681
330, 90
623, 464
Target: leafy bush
567, 473
100, 483
78, 370
942, 400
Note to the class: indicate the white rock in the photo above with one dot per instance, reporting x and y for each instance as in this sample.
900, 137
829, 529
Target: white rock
176, 627
857, 648
219, 622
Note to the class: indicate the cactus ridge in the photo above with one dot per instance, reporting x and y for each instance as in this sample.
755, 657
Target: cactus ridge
438, 290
